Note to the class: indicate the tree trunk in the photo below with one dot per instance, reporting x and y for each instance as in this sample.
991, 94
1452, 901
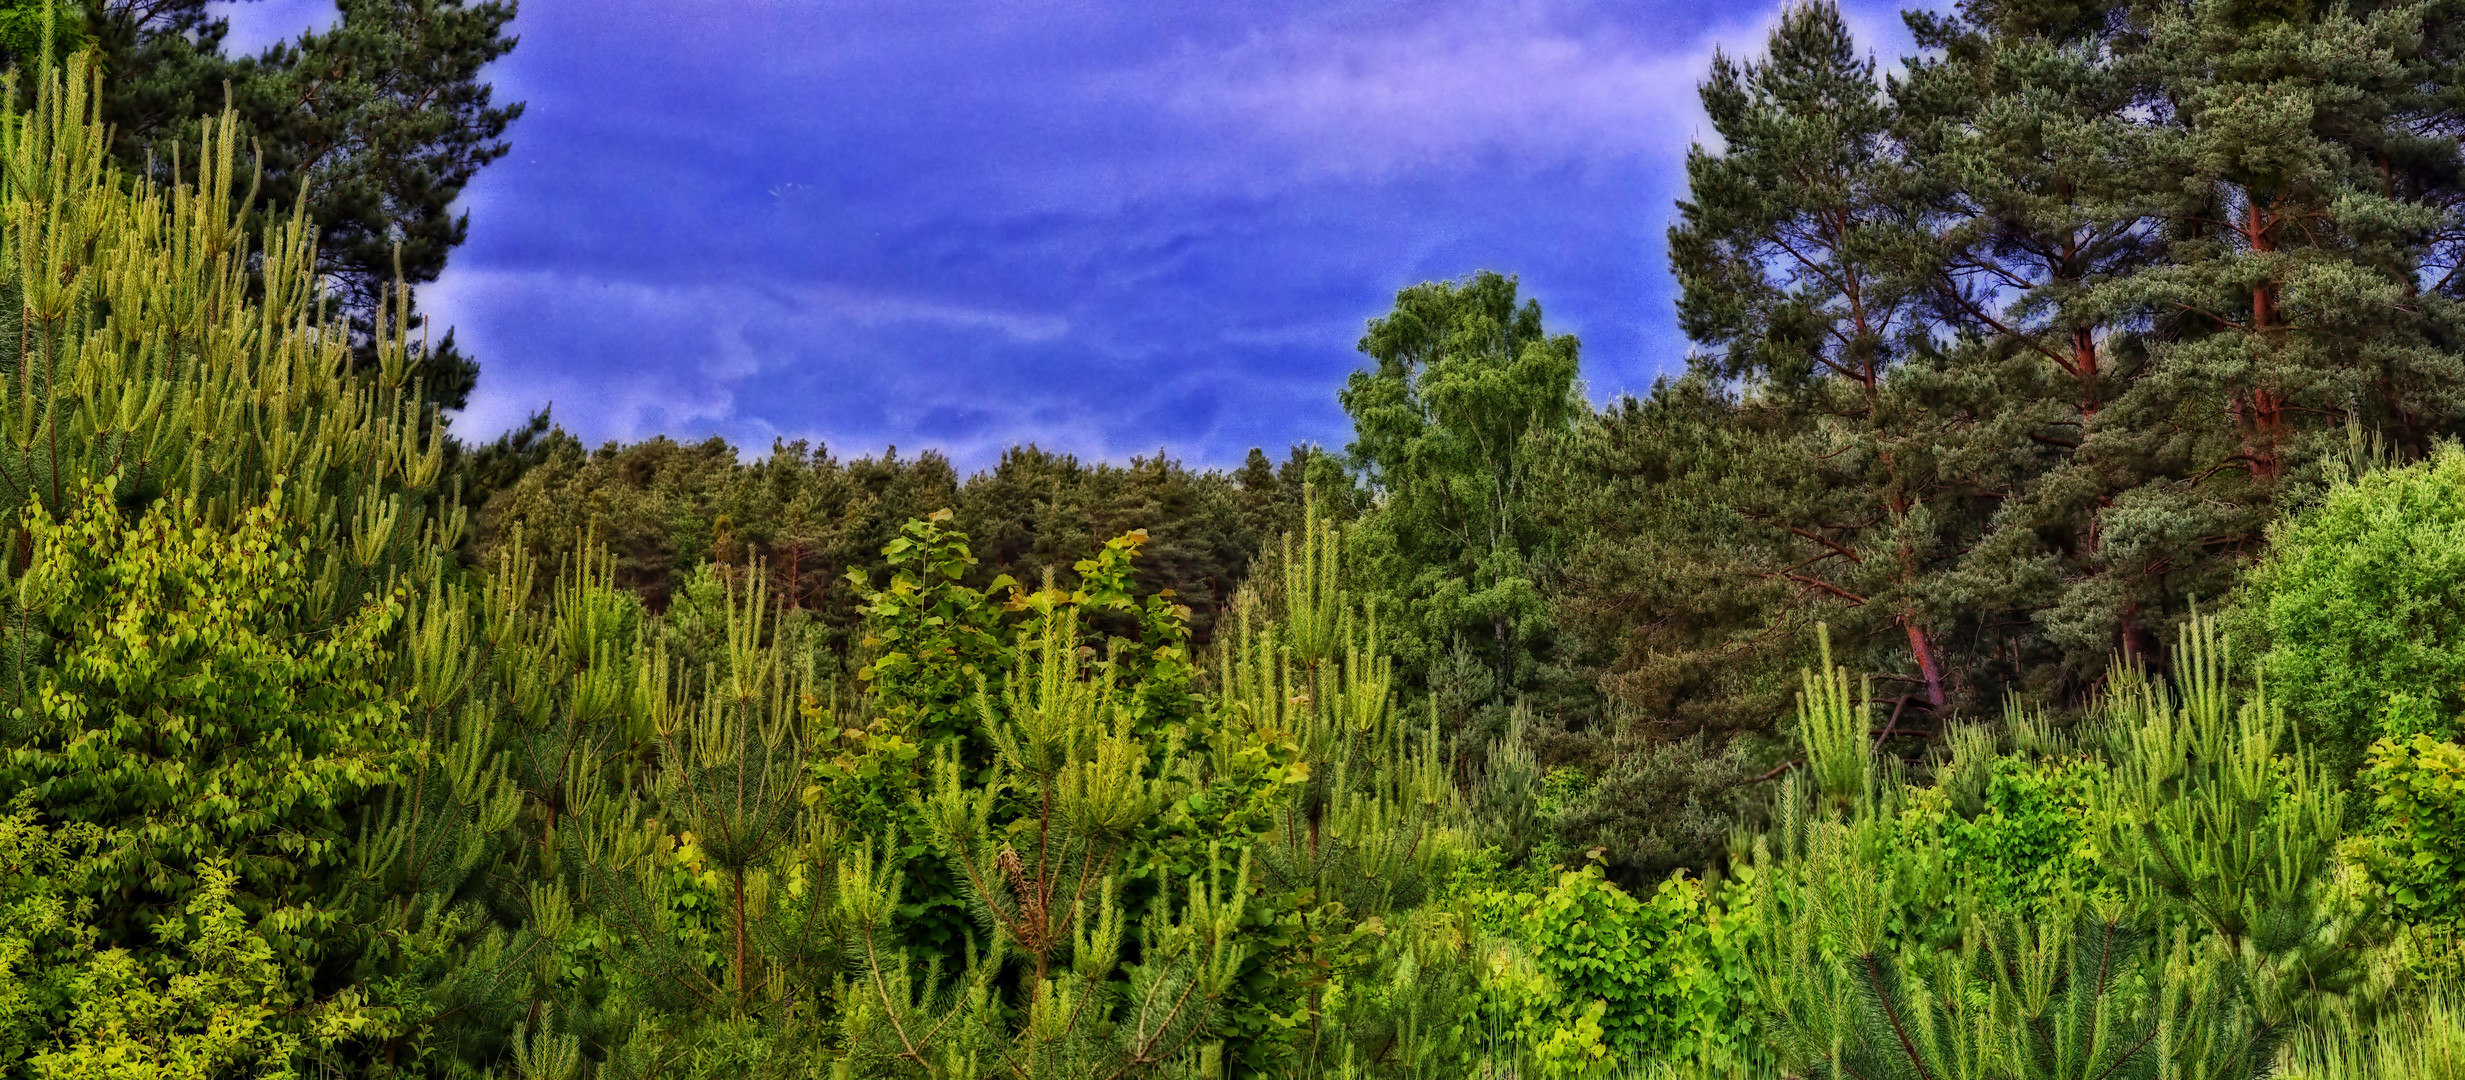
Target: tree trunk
744, 975
1925, 659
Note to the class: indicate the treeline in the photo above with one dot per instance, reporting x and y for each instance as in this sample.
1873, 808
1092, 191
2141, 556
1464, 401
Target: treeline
2006, 366
808, 520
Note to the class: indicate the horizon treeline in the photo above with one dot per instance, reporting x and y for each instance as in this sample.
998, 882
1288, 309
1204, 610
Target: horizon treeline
667, 509
2026, 643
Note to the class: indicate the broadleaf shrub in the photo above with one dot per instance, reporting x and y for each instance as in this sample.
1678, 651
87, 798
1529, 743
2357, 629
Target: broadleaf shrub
2418, 854
2361, 603
1667, 974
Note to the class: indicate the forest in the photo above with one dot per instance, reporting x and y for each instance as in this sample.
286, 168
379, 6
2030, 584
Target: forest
2025, 642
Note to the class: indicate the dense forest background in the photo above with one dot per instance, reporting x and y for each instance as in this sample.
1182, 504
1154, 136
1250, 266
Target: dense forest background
2027, 640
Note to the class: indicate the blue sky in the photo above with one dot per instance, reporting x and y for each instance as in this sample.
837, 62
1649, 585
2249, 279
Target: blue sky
1103, 226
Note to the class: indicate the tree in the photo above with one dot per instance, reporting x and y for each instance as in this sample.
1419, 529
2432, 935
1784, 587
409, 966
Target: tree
1824, 459
2216, 928
1042, 847
2018, 352
2358, 605
2262, 213
212, 607
198, 709
1452, 432
1359, 829
810, 517
2215, 232
1670, 592
377, 124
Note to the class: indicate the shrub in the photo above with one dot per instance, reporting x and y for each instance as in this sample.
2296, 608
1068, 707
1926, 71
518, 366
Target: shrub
1665, 973
2418, 854
2362, 601
2032, 840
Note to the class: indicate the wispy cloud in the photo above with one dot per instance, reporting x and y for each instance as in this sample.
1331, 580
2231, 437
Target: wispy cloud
1106, 227
1460, 82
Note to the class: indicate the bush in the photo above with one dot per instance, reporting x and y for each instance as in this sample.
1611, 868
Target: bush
2031, 842
1663, 978
2418, 853
2361, 602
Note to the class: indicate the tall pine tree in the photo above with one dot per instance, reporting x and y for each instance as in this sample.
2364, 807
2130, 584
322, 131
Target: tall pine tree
378, 121
2014, 355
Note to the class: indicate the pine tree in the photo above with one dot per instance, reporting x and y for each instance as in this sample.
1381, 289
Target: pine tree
811, 517
218, 536
1042, 838
2217, 227
1364, 835
2219, 928
378, 123
1808, 257
2019, 351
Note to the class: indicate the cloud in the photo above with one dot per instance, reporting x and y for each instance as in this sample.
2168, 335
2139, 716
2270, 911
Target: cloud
253, 26
1104, 227
694, 333
1459, 83
755, 361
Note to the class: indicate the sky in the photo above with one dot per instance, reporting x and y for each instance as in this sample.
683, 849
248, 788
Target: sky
1107, 227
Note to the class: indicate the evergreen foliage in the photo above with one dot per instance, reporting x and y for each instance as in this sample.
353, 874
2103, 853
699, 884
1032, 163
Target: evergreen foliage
666, 508
2012, 356
217, 533
2215, 922
373, 127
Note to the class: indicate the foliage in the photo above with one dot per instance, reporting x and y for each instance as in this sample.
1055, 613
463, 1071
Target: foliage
38, 935
2030, 838
1831, 726
217, 1015
1879, 958
1667, 985
1660, 805
199, 710
2360, 604
217, 537
811, 519
2428, 1042
2011, 357
805, 768
371, 128
2418, 789
1356, 830
937, 642
29, 27
2213, 810
1453, 431
1040, 845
